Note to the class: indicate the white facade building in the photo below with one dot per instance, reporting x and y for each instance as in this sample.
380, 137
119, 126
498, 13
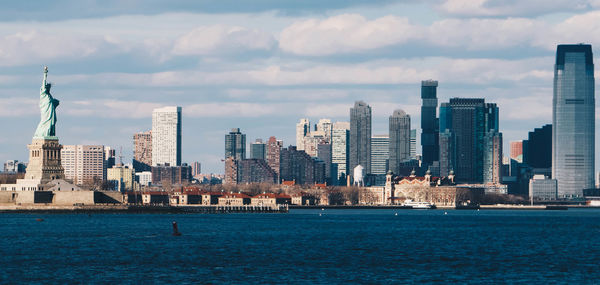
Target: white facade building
144, 177
83, 163
166, 136
340, 135
302, 130
542, 188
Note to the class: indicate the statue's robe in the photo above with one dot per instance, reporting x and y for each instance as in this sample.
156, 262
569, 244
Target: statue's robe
47, 125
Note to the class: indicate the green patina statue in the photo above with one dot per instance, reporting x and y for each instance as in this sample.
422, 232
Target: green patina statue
47, 126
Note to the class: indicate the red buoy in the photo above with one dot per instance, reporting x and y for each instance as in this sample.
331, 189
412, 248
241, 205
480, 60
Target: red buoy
175, 230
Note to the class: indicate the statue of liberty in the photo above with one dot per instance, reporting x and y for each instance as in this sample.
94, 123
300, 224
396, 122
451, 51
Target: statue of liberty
47, 126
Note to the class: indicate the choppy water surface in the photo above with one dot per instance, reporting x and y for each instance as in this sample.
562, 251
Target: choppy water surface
304, 246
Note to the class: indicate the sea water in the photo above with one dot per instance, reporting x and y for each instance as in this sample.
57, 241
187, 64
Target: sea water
304, 246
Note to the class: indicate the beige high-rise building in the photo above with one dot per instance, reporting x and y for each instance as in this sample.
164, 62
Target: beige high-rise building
83, 163
142, 151
122, 176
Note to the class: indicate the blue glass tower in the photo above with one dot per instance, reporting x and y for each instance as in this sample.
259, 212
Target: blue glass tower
573, 115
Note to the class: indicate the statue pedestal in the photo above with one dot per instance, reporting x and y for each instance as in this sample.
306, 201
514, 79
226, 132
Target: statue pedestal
44, 160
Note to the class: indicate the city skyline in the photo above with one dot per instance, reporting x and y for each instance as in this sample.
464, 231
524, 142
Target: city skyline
277, 83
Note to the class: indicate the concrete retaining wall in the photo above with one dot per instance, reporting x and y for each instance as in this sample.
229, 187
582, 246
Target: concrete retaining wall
73, 197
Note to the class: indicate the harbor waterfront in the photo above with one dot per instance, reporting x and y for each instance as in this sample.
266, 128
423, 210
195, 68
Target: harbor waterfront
380, 246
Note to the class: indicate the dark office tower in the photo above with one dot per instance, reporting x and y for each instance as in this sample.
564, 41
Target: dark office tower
324, 154
573, 120
235, 144
429, 122
298, 166
468, 120
258, 150
446, 152
400, 140
537, 149
360, 136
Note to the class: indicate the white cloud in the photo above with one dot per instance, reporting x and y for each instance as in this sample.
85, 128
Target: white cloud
40, 47
512, 8
346, 33
109, 108
376, 72
483, 34
218, 39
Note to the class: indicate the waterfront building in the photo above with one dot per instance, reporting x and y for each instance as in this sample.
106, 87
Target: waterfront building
302, 130
429, 122
273, 155
541, 188
258, 150
380, 154
360, 136
83, 164
144, 178
234, 199
537, 149
235, 144
413, 144
142, 151
167, 175
122, 177
14, 166
573, 120
270, 199
516, 151
399, 140
196, 168
166, 136
440, 191
340, 136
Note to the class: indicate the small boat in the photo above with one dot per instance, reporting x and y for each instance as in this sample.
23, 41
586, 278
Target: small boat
418, 205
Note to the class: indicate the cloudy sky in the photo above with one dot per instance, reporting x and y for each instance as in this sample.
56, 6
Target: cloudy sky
261, 65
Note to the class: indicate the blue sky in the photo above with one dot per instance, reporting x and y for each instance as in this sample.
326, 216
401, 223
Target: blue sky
263, 65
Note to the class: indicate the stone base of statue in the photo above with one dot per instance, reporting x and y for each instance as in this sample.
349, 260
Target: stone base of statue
44, 160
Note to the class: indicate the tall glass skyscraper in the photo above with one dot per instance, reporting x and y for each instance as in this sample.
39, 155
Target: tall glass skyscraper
258, 150
464, 123
360, 136
235, 144
573, 118
429, 122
